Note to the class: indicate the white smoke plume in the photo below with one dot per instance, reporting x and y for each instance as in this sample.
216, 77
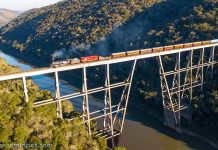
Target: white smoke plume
57, 54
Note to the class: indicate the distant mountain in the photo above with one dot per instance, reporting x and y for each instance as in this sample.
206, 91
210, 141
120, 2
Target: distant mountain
7, 15
72, 28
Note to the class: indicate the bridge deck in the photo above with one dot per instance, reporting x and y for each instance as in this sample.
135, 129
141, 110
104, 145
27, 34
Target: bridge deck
40, 71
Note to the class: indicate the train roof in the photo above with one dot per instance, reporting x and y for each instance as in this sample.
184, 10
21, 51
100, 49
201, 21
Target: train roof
214, 41
118, 53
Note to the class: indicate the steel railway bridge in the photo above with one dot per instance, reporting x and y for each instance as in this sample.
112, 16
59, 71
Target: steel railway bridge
176, 85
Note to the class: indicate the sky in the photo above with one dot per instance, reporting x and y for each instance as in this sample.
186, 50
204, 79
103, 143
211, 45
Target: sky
23, 5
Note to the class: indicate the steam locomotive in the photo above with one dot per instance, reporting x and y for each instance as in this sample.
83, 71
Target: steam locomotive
129, 53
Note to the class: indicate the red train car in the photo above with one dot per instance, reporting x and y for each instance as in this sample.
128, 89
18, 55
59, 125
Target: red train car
89, 58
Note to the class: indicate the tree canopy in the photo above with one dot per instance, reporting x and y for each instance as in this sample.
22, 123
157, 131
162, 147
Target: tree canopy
21, 123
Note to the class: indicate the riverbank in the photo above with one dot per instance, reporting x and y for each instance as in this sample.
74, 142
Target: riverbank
27, 59
203, 138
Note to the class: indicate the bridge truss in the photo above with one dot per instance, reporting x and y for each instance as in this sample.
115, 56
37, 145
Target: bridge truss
176, 85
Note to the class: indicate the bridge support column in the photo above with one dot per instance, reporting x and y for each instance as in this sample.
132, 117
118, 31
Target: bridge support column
25, 89
199, 77
177, 97
108, 119
57, 97
86, 115
119, 118
187, 87
171, 104
114, 114
211, 62
202, 69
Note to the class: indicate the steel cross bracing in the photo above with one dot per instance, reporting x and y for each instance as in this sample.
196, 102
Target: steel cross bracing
86, 114
176, 92
177, 87
108, 118
114, 116
57, 97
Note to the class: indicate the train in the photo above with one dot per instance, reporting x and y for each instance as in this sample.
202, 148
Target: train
66, 62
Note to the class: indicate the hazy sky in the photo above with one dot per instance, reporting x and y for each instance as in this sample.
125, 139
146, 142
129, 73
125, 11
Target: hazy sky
25, 4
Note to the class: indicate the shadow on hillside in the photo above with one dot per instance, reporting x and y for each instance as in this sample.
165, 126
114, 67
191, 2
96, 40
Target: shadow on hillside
134, 33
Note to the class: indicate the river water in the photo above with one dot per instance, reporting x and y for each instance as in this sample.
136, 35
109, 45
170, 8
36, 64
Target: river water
141, 131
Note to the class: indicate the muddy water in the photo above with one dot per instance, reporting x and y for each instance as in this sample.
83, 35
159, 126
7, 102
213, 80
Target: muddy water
144, 132
141, 131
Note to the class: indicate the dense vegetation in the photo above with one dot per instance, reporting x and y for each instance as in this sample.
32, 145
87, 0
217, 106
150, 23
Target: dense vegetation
20, 123
71, 24
75, 28
205, 109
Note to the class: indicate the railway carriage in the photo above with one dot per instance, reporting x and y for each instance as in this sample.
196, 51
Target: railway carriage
187, 45
157, 49
89, 58
167, 48
131, 53
197, 43
104, 58
178, 46
118, 55
206, 42
214, 41
146, 51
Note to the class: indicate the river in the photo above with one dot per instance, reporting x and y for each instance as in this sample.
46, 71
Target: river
141, 131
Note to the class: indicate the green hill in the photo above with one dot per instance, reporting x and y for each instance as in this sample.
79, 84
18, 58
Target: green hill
72, 28
68, 24
168, 22
7, 15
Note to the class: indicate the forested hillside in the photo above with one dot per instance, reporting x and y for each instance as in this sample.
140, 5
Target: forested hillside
205, 109
7, 15
168, 22
71, 24
21, 123
72, 28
